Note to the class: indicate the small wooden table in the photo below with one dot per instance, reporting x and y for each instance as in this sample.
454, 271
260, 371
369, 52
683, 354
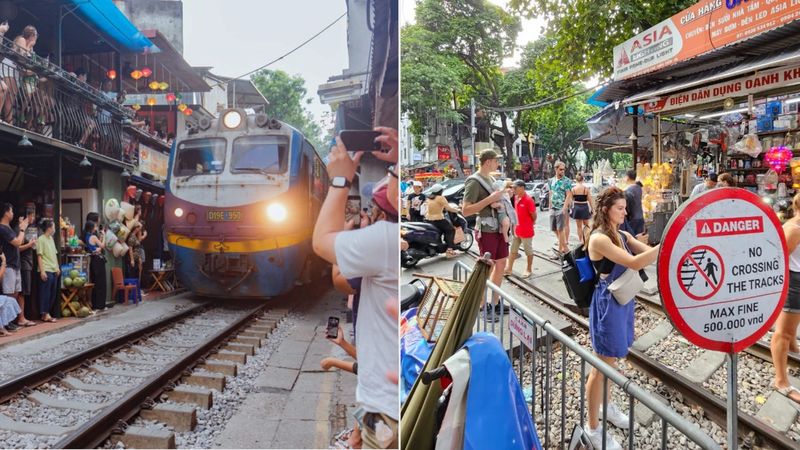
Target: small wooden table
82, 295
162, 280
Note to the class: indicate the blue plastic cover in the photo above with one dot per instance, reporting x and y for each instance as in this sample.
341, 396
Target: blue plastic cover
497, 414
108, 19
414, 352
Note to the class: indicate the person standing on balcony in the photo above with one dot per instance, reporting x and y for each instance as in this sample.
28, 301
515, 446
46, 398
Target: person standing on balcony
29, 108
8, 83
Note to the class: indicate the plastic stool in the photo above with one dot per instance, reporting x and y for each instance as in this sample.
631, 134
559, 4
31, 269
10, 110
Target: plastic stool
137, 292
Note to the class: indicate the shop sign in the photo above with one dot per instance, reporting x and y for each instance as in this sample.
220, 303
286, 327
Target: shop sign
153, 162
706, 26
444, 152
740, 87
725, 264
521, 328
417, 157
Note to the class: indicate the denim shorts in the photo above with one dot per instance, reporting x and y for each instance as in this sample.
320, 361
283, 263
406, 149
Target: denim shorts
792, 302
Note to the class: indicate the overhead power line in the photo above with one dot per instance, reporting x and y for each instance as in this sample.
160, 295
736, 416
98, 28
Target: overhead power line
287, 53
540, 104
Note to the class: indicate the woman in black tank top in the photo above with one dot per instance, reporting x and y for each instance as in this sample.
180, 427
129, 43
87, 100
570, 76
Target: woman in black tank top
581, 205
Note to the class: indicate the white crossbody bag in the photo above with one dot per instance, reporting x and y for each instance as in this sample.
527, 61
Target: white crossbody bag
625, 288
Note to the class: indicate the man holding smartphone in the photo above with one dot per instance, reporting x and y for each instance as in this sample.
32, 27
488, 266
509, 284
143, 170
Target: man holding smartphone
11, 242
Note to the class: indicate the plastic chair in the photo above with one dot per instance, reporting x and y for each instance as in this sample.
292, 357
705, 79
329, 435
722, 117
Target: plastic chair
120, 284
137, 292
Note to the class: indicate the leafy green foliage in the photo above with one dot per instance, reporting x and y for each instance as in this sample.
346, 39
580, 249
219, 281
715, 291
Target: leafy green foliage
287, 102
585, 32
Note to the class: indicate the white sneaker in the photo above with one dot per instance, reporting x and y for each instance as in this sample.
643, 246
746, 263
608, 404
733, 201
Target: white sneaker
616, 417
596, 438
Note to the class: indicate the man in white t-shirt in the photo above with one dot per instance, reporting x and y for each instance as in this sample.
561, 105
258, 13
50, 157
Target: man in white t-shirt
371, 253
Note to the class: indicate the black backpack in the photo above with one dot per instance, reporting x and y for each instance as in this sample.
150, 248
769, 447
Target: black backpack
579, 292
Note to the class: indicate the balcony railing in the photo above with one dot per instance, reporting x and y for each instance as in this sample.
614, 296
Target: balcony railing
39, 96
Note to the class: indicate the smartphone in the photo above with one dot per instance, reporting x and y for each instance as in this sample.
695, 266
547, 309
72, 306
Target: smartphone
333, 327
360, 140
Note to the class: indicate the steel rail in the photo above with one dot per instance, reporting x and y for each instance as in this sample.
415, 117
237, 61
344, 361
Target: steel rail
9, 389
695, 393
93, 433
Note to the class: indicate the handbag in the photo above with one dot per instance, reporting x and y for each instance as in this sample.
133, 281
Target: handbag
625, 288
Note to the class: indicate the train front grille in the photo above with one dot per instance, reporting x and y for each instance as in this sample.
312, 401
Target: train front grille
227, 264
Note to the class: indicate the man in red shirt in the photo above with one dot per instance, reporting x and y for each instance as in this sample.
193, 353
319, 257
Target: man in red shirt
523, 232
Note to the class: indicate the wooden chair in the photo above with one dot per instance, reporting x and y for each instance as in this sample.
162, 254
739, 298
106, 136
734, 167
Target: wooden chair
119, 284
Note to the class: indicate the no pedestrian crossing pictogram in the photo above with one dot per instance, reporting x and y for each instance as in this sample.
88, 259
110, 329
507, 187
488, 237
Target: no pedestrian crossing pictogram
701, 272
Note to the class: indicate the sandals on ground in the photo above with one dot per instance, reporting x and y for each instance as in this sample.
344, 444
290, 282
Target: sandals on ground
787, 392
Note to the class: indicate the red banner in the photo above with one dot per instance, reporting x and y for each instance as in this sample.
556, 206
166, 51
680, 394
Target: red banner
706, 26
444, 152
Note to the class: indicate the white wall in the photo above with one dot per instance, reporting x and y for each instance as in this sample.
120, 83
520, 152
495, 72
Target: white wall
89, 203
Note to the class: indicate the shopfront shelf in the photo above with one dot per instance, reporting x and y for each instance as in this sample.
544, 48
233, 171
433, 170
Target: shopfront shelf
774, 132
747, 170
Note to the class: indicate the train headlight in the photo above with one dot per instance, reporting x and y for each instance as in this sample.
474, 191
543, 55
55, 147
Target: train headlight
232, 119
178, 212
277, 212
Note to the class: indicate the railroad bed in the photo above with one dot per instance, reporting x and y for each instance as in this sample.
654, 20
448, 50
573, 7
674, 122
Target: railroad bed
691, 380
173, 382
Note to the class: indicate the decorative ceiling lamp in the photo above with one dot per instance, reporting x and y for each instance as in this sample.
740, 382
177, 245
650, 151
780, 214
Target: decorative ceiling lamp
777, 158
111, 74
163, 86
154, 85
151, 101
146, 72
136, 74
182, 107
136, 106
188, 111
170, 97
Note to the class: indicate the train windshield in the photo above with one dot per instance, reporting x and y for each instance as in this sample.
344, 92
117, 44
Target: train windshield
262, 154
200, 157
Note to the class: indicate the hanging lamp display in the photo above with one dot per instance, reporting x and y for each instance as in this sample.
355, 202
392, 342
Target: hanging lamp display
146, 72
182, 107
137, 74
188, 111
136, 106
151, 101
111, 74
170, 97
778, 158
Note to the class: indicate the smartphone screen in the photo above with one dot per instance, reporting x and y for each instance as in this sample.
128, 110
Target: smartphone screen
333, 327
360, 140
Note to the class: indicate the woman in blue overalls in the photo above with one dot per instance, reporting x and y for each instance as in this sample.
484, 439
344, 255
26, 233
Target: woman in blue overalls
610, 324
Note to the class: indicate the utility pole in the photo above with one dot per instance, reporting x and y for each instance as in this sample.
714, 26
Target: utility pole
459, 149
473, 130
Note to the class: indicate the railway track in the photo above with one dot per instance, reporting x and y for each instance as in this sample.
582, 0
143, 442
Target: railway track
692, 391
179, 358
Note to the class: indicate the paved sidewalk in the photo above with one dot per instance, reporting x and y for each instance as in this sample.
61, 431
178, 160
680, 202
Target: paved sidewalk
298, 405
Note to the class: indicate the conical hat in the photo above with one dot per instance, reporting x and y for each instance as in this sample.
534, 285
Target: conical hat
111, 209
118, 250
127, 208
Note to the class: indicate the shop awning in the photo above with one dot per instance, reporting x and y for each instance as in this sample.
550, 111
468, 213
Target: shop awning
147, 183
109, 20
610, 129
743, 68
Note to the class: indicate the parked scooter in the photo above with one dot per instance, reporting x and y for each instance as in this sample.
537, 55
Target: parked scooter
426, 241
544, 197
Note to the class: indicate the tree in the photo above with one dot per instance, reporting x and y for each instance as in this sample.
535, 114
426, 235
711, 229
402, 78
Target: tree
586, 31
287, 99
479, 35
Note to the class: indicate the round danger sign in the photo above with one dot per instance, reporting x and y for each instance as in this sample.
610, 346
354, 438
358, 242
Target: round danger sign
723, 269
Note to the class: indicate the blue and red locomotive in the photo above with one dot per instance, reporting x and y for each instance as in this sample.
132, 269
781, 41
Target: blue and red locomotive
243, 195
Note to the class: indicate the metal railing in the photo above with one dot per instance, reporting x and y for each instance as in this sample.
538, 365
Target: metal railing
38, 96
535, 356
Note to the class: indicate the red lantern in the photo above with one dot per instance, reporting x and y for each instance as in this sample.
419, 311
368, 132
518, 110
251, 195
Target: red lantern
170, 97
112, 74
130, 192
146, 72
188, 111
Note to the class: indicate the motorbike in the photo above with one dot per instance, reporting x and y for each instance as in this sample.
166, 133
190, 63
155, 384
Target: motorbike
426, 241
544, 198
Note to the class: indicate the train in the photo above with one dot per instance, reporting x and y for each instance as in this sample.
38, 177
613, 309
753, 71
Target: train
243, 193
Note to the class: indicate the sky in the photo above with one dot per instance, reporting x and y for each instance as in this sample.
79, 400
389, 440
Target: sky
531, 28
237, 36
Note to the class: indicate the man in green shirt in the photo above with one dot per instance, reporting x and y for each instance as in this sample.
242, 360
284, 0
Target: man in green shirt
560, 201
481, 200
48, 269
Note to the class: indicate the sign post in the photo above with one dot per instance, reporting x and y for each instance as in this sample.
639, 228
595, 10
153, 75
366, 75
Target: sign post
723, 274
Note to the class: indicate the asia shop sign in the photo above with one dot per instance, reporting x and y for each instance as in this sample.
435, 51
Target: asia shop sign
706, 26
739, 87
444, 152
153, 162
723, 269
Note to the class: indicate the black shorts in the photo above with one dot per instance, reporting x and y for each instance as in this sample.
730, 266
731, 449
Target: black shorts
26, 276
792, 303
